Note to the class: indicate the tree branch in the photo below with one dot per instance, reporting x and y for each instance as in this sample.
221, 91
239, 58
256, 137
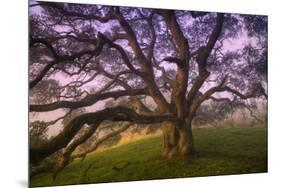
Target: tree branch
183, 51
131, 36
101, 140
199, 100
58, 58
146, 71
203, 54
40, 76
219, 88
67, 155
86, 101
123, 54
71, 147
94, 119
237, 93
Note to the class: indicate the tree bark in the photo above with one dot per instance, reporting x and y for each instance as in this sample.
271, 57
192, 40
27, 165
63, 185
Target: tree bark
170, 139
185, 143
177, 139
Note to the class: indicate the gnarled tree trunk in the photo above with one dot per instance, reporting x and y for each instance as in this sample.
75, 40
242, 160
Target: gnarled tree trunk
177, 139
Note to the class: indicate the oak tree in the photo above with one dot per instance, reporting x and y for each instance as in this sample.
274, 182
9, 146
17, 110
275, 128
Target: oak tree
82, 55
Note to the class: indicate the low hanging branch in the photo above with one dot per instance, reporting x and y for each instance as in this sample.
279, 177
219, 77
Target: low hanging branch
67, 154
72, 146
101, 140
114, 114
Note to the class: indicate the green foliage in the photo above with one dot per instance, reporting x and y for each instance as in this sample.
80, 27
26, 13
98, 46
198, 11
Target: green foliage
219, 151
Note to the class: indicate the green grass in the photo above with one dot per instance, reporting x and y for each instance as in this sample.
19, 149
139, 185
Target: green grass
219, 151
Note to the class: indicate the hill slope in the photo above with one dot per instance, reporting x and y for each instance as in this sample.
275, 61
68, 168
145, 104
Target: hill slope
219, 151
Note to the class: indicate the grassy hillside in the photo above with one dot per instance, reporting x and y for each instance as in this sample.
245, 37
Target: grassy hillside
218, 151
